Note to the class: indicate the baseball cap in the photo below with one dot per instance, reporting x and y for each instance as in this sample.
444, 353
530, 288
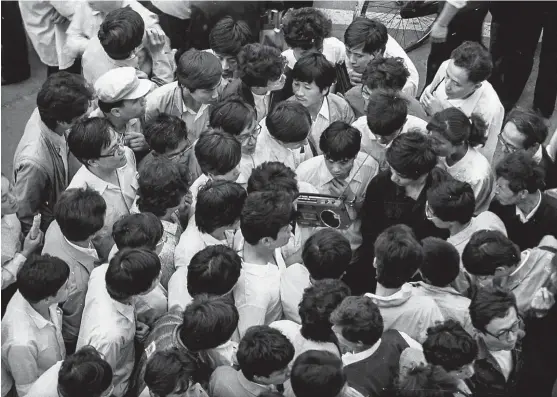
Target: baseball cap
121, 83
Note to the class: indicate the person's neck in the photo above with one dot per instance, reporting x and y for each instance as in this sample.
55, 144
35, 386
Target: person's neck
190, 102
259, 90
384, 291
43, 308
457, 155
529, 202
118, 123
415, 188
82, 244
457, 227
258, 254
59, 130
107, 175
315, 108
219, 233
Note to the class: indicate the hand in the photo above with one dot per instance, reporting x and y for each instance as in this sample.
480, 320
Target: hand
339, 188
438, 33
355, 77
141, 331
542, 301
136, 141
184, 208
431, 104
31, 245
156, 39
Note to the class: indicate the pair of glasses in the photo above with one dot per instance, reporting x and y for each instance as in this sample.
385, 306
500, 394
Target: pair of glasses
504, 334
118, 147
507, 147
179, 155
253, 135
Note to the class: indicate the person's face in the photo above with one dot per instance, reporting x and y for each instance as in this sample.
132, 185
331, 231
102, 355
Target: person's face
457, 84
464, 372
275, 378
358, 58
441, 145
400, 180
229, 65
9, 202
511, 138
206, 95
231, 175
178, 155
503, 333
131, 109
504, 194
308, 94
248, 137
346, 346
112, 156
105, 6
283, 236
276, 85
430, 215
339, 169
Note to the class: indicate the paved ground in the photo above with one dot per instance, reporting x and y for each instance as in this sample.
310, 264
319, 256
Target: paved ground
18, 101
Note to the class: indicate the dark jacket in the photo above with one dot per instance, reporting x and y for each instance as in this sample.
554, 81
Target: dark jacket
550, 168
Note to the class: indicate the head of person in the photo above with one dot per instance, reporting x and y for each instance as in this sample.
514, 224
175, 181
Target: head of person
121, 33
171, 373
218, 154
208, 322
523, 129
451, 347
261, 67
318, 373
266, 219
238, 118
398, 256
132, 272
9, 200
305, 29
411, 158
199, 75
326, 254
80, 213
105, 6
43, 279
273, 176
318, 302
85, 373
387, 111
340, 144
494, 314
450, 202
490, 256
365, 40
226, 39
63, 99
213, 271
383, 73
289, 123
264, 355
96, 144
426, 380
163, 186
441, 263
312, 77
142, 230
357, 323
470, 65
518, 175
167, 135
219, 205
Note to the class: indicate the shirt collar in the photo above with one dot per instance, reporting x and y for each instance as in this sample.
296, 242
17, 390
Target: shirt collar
526, 217
57, 140
252, 387
538, 156
325, 176
351, 358
39, 320
197, 114
124, 309
209, 240
90, 251
324, 111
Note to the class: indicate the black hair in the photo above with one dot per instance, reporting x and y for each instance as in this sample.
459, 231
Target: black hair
360, 319
340, 141
317, 373
487, 250
385, 72
314, 67
426, 381
489, 303
229, 36
326, 254
411, 155
165, 132
458, 128
398, 256
262, 351
521, 171
217, 152
452, 201
289, 121
121, 32
475, 58
259, 64
84, 373
369, 32
273, 176
198, 70
170, 371
306, 28
63, 97
530, 124
441, 263
214, 270
106, 107
88, 137
232, 115
41, 277
386, 112
137, 231
80, 213
269, 393
219, 203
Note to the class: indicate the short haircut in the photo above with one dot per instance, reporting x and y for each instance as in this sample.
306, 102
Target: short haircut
232, 115
318, 302
170, 371
360, 319
489, 303
452, 201
162, 185
441, 264
84, 373
306, 28
217, 152
88, 138
121, 32
385, 72
198, 70
314, 67
487, 250
214, 270
475, 58
326, 254
273, 176
426, 381
317, 373
369, 32
530, 124
450, 346
106, 107
131, 272
219, 203
62, 98
165, 132
289, 121
521, 171
41, 277
80, 213
386, 112
340, 141
137, 231
398, 256
411, 155
258, 64
262, 351
264, 214
229, 36
208, 323
456, 127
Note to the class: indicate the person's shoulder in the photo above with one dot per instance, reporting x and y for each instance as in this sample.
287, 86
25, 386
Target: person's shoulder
488, 220
162, 91
224, 374
338, 101
309, 166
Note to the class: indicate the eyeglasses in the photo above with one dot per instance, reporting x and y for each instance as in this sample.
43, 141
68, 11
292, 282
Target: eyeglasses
253, 135
504, 334
506, 145
117, 148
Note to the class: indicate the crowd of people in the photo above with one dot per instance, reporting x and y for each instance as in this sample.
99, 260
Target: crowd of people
151, 239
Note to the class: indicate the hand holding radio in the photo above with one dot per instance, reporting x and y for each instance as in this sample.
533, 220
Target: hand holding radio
341, 188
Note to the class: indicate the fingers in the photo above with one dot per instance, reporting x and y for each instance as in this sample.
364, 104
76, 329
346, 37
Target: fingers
156, 36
